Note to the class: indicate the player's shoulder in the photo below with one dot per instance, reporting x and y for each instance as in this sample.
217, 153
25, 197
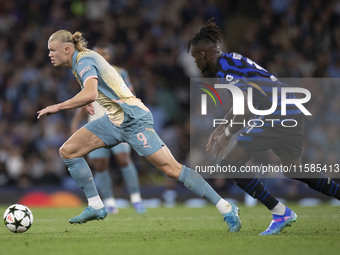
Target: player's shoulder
236, 57
83, 56
231, 59
87, 56
86, 63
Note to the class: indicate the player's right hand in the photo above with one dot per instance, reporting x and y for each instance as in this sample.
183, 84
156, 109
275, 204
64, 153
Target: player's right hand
48, 110
219, 145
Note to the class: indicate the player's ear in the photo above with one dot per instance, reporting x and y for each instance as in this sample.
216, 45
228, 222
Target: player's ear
67, 49
202, 53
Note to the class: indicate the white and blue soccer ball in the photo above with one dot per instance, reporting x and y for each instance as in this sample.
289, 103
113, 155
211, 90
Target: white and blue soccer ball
18, 218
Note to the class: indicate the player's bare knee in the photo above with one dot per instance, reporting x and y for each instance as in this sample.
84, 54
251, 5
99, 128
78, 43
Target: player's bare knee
65, 151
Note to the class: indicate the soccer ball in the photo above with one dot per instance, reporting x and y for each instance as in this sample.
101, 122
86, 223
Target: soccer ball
18, 218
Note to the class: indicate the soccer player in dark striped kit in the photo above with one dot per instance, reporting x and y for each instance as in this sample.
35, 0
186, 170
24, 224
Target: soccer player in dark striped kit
286, 143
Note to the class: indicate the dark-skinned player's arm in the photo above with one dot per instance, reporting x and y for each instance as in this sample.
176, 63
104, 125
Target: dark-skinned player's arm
220, 137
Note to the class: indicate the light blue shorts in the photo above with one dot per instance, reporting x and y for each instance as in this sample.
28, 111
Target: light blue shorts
139, 134
106, 153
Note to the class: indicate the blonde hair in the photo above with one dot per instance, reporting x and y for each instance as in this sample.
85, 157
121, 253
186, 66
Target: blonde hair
77, 39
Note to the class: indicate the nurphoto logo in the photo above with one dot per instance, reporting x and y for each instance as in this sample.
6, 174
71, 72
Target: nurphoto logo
280, 98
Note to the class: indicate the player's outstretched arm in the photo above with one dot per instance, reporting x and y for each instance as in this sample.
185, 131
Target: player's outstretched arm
48, 110
84, 97
220, 137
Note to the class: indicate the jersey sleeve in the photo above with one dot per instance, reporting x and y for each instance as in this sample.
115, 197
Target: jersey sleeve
86, 69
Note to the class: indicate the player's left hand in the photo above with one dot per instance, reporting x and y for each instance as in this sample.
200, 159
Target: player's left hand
214, 136
48, 110
90, 109
219, 145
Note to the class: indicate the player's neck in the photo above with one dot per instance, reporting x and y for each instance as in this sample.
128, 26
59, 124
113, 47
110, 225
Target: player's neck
214, 63
69, 62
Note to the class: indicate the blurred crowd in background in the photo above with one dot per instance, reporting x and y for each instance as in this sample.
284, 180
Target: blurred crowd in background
290, 38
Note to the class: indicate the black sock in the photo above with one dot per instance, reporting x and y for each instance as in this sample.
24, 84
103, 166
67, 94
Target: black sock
255, 188
323, 184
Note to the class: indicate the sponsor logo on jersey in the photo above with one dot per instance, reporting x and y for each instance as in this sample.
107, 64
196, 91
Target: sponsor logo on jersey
229, 78
84, 70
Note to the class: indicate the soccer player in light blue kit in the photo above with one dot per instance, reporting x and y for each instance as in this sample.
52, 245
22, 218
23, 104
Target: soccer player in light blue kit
127, 119
100, 158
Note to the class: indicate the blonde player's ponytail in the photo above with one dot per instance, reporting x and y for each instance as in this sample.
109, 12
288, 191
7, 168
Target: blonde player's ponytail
65, 36
79, 41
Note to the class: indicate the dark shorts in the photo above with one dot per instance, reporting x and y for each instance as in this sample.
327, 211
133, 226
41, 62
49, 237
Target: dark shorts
284, 142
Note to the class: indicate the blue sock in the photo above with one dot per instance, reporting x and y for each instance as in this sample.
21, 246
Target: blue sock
104, 184
194, 182
82, 175
130, 176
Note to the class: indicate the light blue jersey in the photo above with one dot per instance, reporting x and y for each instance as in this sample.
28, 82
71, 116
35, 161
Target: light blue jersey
113, 94
127, 119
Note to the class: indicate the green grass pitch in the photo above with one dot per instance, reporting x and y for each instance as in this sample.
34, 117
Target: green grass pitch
178, 230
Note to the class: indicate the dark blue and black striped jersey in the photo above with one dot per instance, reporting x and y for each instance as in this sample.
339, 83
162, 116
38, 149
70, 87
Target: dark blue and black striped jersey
244, 73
